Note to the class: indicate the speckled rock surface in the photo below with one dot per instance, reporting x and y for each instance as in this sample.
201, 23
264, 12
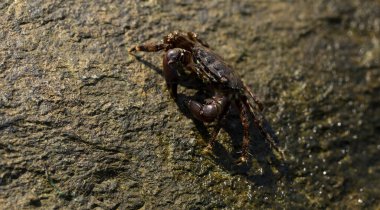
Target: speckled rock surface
85, 125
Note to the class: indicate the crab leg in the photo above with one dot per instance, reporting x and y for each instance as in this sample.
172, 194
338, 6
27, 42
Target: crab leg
245, 122
258, 123
194, 36
148, 47
254, 97
218, 126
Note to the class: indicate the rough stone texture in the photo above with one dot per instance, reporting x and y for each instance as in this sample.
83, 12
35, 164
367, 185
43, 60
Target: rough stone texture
85, 125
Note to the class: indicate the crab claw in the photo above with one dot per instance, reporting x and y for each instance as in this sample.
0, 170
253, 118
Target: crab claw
171, 75
172, 89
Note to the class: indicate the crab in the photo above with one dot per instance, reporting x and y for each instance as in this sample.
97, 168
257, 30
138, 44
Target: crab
186, 55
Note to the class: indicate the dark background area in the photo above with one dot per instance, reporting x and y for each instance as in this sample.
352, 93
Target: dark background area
85, 125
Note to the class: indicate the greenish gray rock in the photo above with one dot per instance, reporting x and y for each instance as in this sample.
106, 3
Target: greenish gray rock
84, 125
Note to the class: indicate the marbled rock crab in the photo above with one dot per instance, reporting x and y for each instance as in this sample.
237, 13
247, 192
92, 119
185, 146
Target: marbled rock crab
186, 55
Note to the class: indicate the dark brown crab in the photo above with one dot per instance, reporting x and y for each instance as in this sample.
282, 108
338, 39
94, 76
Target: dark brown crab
186, 52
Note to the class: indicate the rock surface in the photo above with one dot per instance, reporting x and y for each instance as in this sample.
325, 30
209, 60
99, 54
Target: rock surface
85, 125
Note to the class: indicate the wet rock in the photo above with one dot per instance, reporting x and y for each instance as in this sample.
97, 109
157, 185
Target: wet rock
85, 125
